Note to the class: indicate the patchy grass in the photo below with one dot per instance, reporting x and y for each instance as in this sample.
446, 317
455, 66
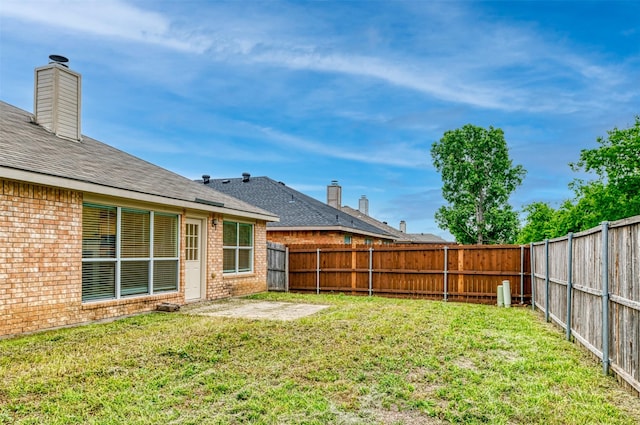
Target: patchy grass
362, 361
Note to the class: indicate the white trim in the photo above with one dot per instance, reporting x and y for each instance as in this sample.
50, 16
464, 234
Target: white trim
202, 231
97, 189
118, 260
237, 248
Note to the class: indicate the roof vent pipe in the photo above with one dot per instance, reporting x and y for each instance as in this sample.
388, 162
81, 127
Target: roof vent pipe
246, 177
205, 178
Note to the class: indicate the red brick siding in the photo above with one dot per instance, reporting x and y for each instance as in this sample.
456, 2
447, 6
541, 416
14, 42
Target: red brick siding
245, 284
307, 237
41, 263
40, 248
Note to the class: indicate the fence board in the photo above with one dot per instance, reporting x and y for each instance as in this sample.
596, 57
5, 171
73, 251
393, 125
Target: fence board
416, 271
621, 326
276, 267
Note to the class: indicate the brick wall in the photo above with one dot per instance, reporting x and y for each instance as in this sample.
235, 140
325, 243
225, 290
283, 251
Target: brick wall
216, 286
40, 248
41, 263
307, 237
257, 281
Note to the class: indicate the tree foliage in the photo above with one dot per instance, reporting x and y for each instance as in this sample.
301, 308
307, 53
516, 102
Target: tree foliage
478, 178
613, 195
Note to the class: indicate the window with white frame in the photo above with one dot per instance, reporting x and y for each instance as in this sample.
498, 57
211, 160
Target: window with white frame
128, 252
238, 247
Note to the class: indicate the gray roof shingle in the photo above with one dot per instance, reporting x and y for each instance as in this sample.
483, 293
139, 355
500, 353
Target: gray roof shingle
399, 236
28, 147
294, 208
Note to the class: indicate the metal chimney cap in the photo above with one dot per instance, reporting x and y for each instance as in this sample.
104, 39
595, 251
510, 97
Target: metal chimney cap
59, 60
205, 178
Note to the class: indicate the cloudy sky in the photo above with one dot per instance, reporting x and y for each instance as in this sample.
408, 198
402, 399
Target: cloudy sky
354, 91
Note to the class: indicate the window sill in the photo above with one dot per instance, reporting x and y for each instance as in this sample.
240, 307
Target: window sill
237, 275
88, 305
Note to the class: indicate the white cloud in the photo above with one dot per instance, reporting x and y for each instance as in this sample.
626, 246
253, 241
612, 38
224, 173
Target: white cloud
109, 18
398, 154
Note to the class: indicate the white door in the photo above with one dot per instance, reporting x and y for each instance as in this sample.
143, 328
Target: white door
193, 260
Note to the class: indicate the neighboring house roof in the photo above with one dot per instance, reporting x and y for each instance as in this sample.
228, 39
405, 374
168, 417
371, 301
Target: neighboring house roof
30, 153
399, 236
296, 210
426, 238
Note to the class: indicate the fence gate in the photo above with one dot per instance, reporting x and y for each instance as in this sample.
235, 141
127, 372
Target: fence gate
277, 267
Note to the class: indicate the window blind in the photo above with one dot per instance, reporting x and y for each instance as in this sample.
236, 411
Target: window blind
131, 269
165, 235
98, 281
134, 234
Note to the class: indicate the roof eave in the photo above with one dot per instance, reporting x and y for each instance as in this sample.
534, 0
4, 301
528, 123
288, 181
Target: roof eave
94, 188
328, 228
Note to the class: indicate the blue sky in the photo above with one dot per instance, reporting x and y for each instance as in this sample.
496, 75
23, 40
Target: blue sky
354, 91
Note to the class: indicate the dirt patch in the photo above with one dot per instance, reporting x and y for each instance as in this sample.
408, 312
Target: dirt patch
254, 309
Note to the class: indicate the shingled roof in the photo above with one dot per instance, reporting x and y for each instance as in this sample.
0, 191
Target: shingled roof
28, 152
295, 209
399, 236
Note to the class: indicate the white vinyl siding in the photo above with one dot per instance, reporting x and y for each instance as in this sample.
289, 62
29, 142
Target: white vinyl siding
57, 105
238, 247
128, 252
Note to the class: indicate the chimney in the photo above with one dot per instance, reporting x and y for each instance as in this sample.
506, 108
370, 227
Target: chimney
334, 195
206, 178
246, 177
403, 226
57, 98
363, 205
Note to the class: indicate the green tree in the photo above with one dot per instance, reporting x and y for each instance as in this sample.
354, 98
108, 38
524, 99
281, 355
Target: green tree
615, 194
539, 224
478, 178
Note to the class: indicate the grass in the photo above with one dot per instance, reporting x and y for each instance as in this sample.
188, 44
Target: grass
362, 361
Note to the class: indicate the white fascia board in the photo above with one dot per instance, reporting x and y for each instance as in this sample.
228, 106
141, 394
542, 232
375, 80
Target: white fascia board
87, 187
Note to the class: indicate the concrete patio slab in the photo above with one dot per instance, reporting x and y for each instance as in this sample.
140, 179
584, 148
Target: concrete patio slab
254, 309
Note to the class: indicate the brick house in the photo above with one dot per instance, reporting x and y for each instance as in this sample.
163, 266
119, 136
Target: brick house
303, 219
86, 232
400, 234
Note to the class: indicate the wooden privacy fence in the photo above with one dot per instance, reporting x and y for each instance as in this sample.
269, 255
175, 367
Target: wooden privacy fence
588, 283
277, 275
457, 273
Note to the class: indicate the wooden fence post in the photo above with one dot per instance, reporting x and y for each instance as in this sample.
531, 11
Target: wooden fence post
446, 270
460, 270
605, 297
521, 274
569, 282
533, 276
546, 280
370, 271
286, 269
318, 272
354, 275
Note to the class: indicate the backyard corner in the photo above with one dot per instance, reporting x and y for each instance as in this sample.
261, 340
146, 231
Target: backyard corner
361, 361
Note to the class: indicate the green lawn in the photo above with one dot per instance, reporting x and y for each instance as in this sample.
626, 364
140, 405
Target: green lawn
362, 361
